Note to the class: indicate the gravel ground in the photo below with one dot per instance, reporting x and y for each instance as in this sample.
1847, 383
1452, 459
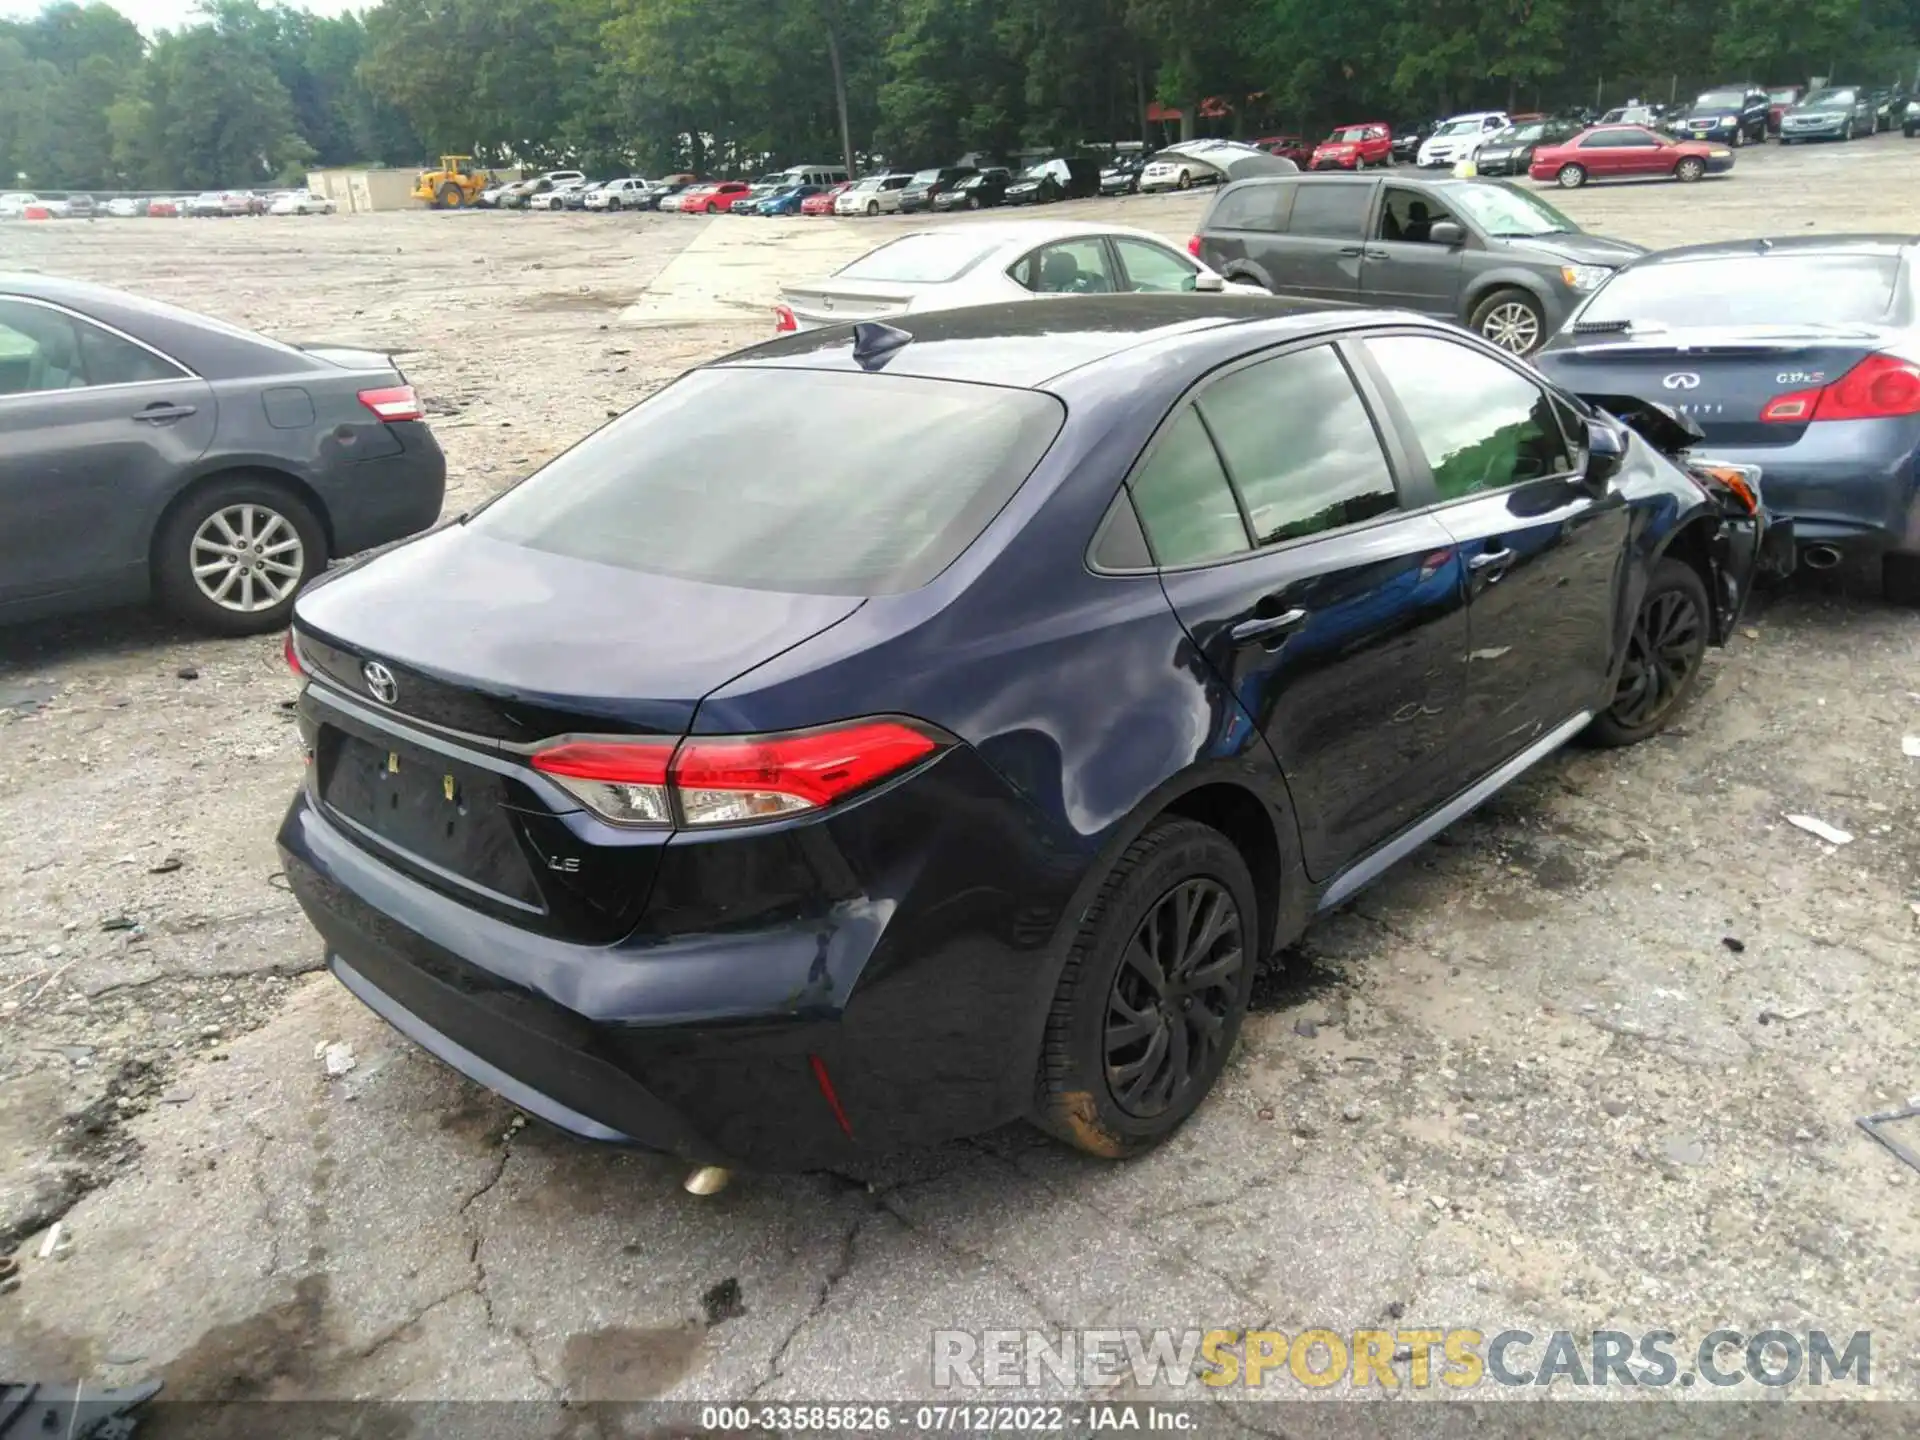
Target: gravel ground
1592, 1061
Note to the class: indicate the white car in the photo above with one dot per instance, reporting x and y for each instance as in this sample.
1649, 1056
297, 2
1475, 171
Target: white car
1460, 138
123, 207
871, 195
14, 204
988, 263
301, 202
628, 193
551, 199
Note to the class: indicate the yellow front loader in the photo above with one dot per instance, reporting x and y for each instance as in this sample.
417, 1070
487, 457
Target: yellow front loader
454, 185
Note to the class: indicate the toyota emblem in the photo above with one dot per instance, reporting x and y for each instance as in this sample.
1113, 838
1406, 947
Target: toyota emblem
1682, 380
380, 682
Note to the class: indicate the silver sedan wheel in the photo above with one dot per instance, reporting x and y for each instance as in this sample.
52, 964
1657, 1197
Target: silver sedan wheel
1512, 326
247, 558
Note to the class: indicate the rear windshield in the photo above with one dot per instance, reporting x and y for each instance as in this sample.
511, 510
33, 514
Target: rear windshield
704, 480
1751, 290
1720, 100
930, 259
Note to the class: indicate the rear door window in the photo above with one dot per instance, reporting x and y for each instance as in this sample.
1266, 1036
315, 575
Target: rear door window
682, 485
1184, 501
1331, 210
1154, 269
1299, 445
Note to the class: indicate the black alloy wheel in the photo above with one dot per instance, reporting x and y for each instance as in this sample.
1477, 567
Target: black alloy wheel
1168, 1007
1152, 992
1664, 655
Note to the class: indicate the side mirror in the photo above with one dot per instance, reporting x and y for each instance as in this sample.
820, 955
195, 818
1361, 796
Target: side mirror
1207, 284
1446, 232
1606, 451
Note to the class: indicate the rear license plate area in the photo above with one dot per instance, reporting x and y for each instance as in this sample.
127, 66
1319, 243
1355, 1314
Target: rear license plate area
450, 817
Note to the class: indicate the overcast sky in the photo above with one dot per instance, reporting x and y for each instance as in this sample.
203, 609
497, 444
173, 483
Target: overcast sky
152, 15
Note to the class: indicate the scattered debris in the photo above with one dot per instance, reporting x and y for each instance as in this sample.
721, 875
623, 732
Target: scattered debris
338, 1058
1787, 1017
1685, 1150
723, 1302
1351, 1114
1305, 1029
176, 1097
187, 672
167, 866
28, 696
1738, 947
120, 922
1910, 746
1872, 1125
1829, 833
52, 1245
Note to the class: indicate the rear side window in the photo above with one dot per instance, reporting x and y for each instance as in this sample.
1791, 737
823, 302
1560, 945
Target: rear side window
704, 480
1300, 445
1751, 290
1252, 207
1482, 426
1335, 211
47, 349
1184, 501
929, 259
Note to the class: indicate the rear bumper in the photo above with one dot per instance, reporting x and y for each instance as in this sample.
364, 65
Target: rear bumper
919, 981
1847, 483
372, 502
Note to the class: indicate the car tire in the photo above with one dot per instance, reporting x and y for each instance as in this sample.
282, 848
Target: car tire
1900, 579
1571, 177
1664, 654
192, 531
1784, 140
1359, 163
1739, 137
1511, 319
1689, 169
1120, 1030
1186, 180
873, 208
1847, 134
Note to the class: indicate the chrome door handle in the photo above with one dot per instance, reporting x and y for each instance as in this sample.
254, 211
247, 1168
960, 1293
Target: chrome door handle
1266, 627
155, 414
1491, 560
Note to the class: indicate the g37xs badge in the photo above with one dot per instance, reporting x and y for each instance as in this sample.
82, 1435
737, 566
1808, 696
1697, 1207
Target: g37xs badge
1800, 377
380, 682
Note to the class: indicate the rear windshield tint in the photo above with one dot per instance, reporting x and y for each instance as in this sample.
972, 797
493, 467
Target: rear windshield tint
930, 259
818, 482
1751, 290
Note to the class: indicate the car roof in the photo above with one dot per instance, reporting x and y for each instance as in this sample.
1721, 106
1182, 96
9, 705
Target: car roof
1027, 343
1887, 245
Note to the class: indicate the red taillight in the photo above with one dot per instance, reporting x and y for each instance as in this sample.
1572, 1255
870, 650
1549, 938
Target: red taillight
624, 781
292, 652
396, 402
784, 320
728, 780
1879, 387
1193, 246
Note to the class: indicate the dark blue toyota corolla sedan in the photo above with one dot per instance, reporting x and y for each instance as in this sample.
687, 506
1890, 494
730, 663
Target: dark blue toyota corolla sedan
1800, 356
775, 803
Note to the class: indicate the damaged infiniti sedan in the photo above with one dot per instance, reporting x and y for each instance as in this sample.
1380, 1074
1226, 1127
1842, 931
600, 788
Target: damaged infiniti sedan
777, 805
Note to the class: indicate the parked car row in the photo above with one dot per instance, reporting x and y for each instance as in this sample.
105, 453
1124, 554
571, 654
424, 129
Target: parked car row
20, 204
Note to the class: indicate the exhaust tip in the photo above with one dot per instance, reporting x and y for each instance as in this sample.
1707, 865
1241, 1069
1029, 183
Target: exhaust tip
1820, 557
707, 1180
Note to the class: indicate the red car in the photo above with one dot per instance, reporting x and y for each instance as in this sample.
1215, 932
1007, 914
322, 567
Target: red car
1613, 152
1288, 147
162, 207
1355, 147
822, 204
714, 199
1780, 99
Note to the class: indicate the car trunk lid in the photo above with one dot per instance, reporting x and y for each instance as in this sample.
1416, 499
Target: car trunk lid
1721, 378
440, 667
840, 302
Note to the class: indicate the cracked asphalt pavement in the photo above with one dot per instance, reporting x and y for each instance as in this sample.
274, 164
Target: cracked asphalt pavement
1591, 1061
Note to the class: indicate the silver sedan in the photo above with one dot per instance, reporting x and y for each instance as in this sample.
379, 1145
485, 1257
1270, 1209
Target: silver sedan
984, 264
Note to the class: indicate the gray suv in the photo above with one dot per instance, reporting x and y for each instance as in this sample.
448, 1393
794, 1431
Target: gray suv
1478, 252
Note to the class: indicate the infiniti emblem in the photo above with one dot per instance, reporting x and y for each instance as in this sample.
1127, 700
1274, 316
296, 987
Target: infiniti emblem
1682, 380
380, 682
